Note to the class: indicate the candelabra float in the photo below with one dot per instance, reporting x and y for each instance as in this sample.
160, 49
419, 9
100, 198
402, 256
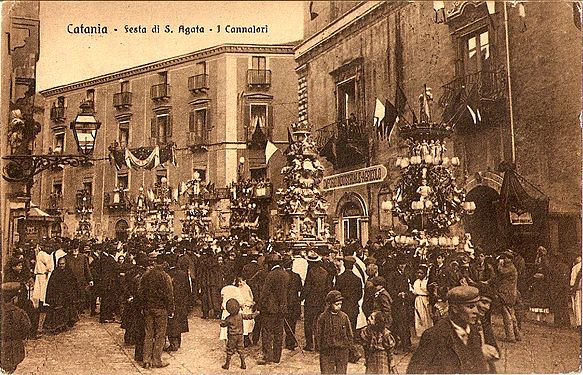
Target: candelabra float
426, 197
301, 206
139, 215
161, 198
196, 222
84, 210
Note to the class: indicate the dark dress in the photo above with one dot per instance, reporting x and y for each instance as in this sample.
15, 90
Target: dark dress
15, 329
179, 323
62, 292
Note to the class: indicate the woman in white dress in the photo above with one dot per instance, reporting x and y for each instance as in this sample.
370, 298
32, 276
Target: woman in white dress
42, 269
423, 319
246, 306
227, 292
576, 290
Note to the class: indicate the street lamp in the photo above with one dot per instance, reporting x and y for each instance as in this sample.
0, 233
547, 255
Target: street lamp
22, 168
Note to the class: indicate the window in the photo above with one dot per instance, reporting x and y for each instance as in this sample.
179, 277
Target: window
61, 102
163, 77
346, 107
351, 228
476, 47
161, 131
197, 124
57, 188
259, 117
200, 68
258, 63
123, 180
160, 174
125, 86
124, 133
59, 145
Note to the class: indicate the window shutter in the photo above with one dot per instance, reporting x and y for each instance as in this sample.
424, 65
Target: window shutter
270, 125
153, 128
191, 122
247, 120
169, 127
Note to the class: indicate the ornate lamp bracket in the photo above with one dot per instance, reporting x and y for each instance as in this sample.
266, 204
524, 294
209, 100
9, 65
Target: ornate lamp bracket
21, 168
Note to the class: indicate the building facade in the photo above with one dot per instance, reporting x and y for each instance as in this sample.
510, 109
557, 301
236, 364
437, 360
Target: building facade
20, 112
521, 66
210, 104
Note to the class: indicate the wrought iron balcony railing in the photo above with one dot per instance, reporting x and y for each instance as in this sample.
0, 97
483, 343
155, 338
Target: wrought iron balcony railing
58, 114
83, 201
259, 77
491, 86
199, 82
160, 91
197, 140
55, 201
122, 99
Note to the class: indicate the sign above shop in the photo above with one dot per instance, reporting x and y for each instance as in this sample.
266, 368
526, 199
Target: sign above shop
357, 177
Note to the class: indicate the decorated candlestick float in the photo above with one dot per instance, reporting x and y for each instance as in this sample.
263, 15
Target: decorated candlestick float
301, 205
196, 209
139, 214
426, 197
161, 197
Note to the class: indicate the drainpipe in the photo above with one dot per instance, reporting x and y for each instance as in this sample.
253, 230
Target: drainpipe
509, 83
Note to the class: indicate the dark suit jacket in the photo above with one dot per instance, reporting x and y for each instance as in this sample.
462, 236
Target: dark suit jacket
441, 351
317, 286
274, 292
249, 270
350, 286
294, 302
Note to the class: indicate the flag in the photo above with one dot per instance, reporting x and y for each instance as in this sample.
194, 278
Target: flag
491, 7
577, 14
473, 105
452, 109
390, 119
270, 149
329, 150
379, 114
439, 9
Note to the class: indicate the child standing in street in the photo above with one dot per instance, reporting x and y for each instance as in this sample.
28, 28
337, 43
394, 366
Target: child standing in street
234, 324
334, 335
378, 345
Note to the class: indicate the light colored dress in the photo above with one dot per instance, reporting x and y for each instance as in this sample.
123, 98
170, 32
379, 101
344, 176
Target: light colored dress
576, 296
423, 319
42, 269
228, 292
247, 307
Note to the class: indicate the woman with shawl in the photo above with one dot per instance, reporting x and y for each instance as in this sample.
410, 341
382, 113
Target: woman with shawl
62, 294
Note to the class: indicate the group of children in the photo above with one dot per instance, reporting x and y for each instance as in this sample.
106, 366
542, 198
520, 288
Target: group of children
334, 333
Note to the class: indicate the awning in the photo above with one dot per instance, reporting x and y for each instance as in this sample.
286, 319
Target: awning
35, 213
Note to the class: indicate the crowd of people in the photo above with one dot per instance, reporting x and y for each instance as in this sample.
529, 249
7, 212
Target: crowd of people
353, 300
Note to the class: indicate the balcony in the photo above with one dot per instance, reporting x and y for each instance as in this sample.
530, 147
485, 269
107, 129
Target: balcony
117, 200
197, 141
122, 100
263, 190
259, 77
83, 202
88, 101
198, 83
55, 203
58, 114
343, 143
160, 91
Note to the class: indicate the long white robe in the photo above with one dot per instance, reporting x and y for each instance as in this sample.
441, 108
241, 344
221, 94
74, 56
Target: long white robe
247, 307
42, 269
423, 319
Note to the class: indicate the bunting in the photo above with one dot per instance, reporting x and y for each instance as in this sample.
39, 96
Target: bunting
143, 157
379, 115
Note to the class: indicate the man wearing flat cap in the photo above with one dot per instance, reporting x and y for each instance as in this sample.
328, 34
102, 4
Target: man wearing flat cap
454, 344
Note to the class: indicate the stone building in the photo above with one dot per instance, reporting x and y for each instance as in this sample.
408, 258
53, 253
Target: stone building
209, 103
20, 109
519, 65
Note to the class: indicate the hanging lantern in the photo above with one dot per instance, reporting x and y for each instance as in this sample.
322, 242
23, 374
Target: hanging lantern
442, 241
455, 240
428, 159
434, 241
404, 163
455, 161
428, 204
445, 161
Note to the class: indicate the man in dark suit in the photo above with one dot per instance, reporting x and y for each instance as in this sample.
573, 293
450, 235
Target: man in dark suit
350, 286
317, 286
273, 307
109, 280
294, 305
454, 344
399, 287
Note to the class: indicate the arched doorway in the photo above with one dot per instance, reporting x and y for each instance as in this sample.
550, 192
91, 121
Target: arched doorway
121, 230
483, 223
352, 219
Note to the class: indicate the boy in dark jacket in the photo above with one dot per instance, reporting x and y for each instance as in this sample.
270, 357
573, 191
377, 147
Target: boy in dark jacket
234, 324
334, 335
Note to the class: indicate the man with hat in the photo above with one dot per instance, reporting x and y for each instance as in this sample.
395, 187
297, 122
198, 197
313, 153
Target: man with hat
454, 344
317, 286
505, 282
273, 307
294, 305
399, 285
14, 330
351, 287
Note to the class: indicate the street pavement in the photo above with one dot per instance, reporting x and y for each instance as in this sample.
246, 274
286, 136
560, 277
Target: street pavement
94, 348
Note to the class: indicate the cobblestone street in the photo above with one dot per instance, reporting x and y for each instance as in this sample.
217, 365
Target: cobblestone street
93, 348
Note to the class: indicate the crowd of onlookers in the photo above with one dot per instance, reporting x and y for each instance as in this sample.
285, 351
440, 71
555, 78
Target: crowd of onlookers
353, 300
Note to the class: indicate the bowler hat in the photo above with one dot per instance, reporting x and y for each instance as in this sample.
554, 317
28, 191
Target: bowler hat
314, 258
349, 259
378, 280
334, 296
461, 295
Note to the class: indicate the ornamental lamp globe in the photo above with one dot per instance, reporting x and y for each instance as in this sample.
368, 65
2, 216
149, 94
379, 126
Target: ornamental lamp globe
85, 129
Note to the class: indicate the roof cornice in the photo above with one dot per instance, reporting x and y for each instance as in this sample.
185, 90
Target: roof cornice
172, 61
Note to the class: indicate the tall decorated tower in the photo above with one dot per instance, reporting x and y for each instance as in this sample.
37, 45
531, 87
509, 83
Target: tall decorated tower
196, 220
301, 206
426, 197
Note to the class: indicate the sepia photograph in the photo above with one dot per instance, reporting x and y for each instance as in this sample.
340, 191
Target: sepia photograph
291, 187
